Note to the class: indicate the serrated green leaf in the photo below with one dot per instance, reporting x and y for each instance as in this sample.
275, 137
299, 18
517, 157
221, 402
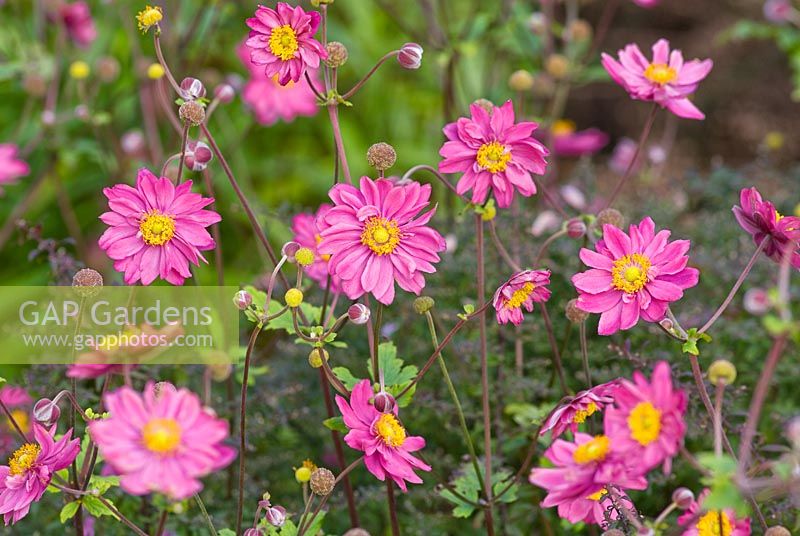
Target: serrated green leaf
336, 424
346, 377
96, 508
226, 532
69, 511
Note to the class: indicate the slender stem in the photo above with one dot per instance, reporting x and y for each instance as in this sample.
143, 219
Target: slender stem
719, 396
585, 354
333, 113
303, 517
367, 76
532, 449
206, 517
376, 337
648, 125
160, 56
184, 139
78, 493
162, 521
501, 249
546, 244
243, 425
550, 198
13, 422
701, 388
314, 89
435, 173
392, 507
554, 347
663, 515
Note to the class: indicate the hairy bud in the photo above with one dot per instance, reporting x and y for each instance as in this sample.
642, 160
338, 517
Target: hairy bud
337, 54
574, 314
722, 370
381, 156
87, 282
242, 300
610, 216
322, 481
557, 66
520, 80
423, 304
192, 112
314, 358
777, 530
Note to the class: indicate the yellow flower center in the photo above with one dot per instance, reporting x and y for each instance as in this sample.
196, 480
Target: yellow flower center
582, 414
493, 157
318, 239
390, 430
778, 216
162, 436
520, 296
714, 523
20, 416
380, 235
283, 42
660, 73
149, 16
563, 127
23, 459
594, 450
629, 273
597, 496
156, 228
644, 423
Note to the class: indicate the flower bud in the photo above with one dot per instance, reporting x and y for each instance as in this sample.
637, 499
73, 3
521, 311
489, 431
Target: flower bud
756, 301
423, 304
87, 282
576, 228
314, 358
132, 142
162, 387
667, 324
289, 249
574, 314
557, 66
610, 216
192, 112
197, 155
220, 371
107, 68
34, 84
79, 70
722, 370
275, 515
358, 313
543, 86
381, 156
253, 531
242, 300
155, 71
792, 431
573, 196
192, 88
302, 474
46, 413
293, 297
304, 257
683, 498
224, 93
383, 402
489, 211
520, 80
579, 30
547, 220
777, 530
337, 54
358, 531
410, 56
48, 118
82, 112
322, 481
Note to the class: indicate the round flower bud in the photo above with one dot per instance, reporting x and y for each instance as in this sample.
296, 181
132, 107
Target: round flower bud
557, 66
574, 314
107, 68
293, 297
579, 30
302, 474
667, 324
543, 85
192, 88
520, 80
383, 402
381, 156
197, 155
82, 112
220, 371
315, 360
45, 412
79, 70
192, 112
253, 531
48, 118
161, 387
337, 54
275, 515
224, 93
683, 498
358, 313
34, 84
537, 23
722, 370
358, 531
489, 212
486, 104
756, 301
423, 304
576, 228
87, 282
242, 300
322, 481
410, 56
304, 257
132, 142
613, 532
289, 249
610, 216
155, 71
777, 530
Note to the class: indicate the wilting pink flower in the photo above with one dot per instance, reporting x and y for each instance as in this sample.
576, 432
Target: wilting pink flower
575, 410
646, 421
306, 233
667, 80
18, 402
709, 524
282, 39
78, 20
375, 238
632, 276
567, 141
386, 446
161, 441
11, 167
493, 153
779, 11
29, 471
582, 471
156, 229
763, 221
271, 101
523, 289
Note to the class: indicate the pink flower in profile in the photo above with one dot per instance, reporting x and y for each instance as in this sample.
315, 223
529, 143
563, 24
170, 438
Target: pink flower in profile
575, 410
633, 275
282, 40
156, 229
582, 470
493, 153
523, 289
375, 237
646, 3
161, 441
29, 471
764, 222
646, 421
381, 437
709, 523
306, 233
79, 23
18, 402
11, 167
271, 101
667, 80
779, 11
569, 142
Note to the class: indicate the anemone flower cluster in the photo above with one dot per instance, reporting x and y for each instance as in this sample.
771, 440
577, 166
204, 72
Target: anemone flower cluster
522, 290
306, 233
760, 218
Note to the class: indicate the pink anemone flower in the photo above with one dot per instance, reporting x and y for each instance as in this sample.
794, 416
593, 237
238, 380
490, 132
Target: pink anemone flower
523, 289
18, 402
381, 437
667, 80
711, 521
11, 167
569, 142
306, 233
764, 222
493, 153
376, 238
29, 471
575, 410
282, 40
633, 275
161, 441
78, 20
156, 229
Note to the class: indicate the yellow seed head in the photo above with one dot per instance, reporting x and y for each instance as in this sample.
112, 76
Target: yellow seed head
293, 297
79, 70
155, 71
304, 257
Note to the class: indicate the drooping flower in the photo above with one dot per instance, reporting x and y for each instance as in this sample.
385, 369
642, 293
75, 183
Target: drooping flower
77, 18
523, 289
271, 101
582, 470
575, 410
646, 421
633, 275
569, 142
375, 238
760, 218
306, 233
710, 522
18, 402
282, 40
667, 80
381, 436
493, 153
11, 167
156, 229
161, 441
29, 471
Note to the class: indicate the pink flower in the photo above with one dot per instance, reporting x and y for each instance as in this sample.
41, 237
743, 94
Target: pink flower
569, 143
779, 11
79, 23
523, 289
375, 238
575, 410
667, 80
633, 275
493, 153
762, 221
162, 442
156, 229
271, 101
381, 437
709, 523
623, 155
583, 469
29, 471
11, 168
18, 402
282, 39
646, 422
306, 233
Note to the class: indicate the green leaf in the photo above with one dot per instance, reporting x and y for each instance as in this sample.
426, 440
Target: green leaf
462, 509
69, 511
346, 377
722, 483
226, 532
336, 424
103, 483
396, 374
96, 508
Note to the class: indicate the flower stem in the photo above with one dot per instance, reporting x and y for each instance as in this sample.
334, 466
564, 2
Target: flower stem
585, 354
392, 507
648, 125
184, 139
555, 352
243, 425
546, 244
206, 517
162, 521
719, 396
372, 71
333, 113
501, 249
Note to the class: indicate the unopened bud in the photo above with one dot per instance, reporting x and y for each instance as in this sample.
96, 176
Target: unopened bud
537, 23
161, 388
574, 314
197, 155
220, 371
275, 515
722, 370
132, 142
667, 324
45, 412
543, 85
557, 66
423, 304
792, 431
410, 56
358, 313
756, 301
489, 211
87, 282
383, 402
81, 112
224, 93
576, 228
242, 300
192, 112
579, 30
192, 88
107, 68
322, 481
314, 358
337, 54
48, 118
253, 531
520, 80
289, 250
683, 498
610, 216
381, 156
777, 530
